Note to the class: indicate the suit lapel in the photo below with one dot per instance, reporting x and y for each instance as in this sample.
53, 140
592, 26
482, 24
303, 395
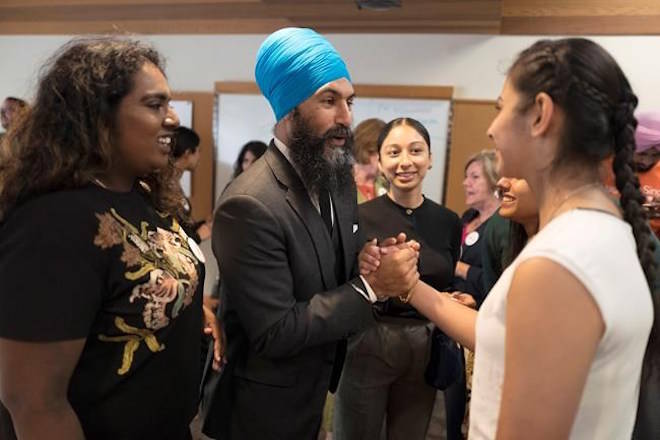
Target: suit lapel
343, 209
298, 198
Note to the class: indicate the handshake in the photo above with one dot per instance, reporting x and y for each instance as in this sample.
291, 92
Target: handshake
390, 267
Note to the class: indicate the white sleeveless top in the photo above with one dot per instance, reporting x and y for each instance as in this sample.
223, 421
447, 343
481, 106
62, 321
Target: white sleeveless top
599, 250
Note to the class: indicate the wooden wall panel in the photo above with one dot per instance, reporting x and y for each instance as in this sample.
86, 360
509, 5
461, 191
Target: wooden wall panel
244, 16
551, 17
229, 26
408, 92
470, 120
580, 17
155, 3
202, 184
603, 25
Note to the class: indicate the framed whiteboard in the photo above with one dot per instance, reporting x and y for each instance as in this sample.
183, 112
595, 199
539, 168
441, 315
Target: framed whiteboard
242, 114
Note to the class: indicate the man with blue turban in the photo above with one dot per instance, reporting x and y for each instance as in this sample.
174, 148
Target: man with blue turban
286, 238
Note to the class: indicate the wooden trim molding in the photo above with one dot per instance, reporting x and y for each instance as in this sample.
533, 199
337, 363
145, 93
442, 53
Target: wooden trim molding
240, 87
409, 92
370, 90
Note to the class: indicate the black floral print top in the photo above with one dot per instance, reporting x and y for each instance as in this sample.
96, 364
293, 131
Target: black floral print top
107, 267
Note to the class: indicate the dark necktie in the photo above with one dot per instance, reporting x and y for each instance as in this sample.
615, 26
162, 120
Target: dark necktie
324, 204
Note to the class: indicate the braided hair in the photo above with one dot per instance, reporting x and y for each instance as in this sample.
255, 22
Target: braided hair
598, 103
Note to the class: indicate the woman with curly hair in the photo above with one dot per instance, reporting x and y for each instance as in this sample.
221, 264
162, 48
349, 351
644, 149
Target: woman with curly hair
561, 337
101, 305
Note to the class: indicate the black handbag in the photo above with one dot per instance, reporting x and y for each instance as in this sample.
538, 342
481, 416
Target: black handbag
445, 361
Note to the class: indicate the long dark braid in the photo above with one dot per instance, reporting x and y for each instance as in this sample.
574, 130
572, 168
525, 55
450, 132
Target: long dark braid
598, 103
631, 201
628, 185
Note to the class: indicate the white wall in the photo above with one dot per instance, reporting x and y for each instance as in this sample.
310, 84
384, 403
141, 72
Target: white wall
473, 64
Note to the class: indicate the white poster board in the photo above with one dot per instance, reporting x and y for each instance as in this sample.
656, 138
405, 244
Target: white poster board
244, 117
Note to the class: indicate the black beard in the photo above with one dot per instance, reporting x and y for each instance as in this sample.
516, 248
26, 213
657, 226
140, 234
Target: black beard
308, 154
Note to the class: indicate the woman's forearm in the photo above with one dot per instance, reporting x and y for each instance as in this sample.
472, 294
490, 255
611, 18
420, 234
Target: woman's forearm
453, 318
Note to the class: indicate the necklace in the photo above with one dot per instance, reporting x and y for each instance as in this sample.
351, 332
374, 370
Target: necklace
570, 195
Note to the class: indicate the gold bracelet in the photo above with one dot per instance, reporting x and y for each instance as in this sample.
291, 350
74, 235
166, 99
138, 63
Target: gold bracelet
407, 297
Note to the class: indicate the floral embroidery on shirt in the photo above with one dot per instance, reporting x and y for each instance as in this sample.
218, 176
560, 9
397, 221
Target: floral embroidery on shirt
165, 258
133, 338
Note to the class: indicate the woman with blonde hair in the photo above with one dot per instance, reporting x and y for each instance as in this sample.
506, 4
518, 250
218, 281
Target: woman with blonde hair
479, 185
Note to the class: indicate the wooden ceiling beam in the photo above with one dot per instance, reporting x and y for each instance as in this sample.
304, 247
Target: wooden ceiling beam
581, 17
603, 25
153, 3
512, 17
239, 27
579, 8
412, 26
254, 26
467, 10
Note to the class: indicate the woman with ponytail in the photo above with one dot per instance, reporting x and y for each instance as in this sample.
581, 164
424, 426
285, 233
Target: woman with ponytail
561, 336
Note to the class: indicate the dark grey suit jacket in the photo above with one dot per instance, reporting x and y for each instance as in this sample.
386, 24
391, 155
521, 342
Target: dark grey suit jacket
283, 309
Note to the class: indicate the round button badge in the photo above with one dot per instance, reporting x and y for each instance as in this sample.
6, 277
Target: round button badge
472, 238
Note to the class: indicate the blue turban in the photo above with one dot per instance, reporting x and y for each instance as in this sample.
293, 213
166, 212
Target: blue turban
292, 64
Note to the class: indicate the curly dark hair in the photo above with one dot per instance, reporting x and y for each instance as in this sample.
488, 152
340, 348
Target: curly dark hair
598, 102
66, 138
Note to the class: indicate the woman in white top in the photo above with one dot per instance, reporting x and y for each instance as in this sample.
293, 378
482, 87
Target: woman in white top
561, 337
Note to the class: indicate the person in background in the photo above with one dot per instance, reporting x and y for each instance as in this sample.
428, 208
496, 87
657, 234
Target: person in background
646, 165
479, 185
576, 301
286, 237
249, 153
383, 376
509, 228
368, 180
186, 158
101, 304
10, 110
